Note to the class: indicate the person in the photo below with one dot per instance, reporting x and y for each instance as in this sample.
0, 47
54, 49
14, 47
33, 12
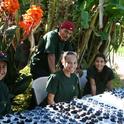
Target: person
99, 77
50, 47
63, 85
5, 104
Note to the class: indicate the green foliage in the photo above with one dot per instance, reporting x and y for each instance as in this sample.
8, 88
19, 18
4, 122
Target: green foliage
88, 4
10, 32
117, 82
23, 81
21, 84
103, 36
121, 50
25, 71
21, 102
116, 38
23, 90
7, 34
85, 19
115, 9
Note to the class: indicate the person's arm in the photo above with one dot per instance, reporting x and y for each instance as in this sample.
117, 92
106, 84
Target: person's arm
93, 86
52, 88
51, 62
31, 37
110, 79
50, 99
109, 85
32, 41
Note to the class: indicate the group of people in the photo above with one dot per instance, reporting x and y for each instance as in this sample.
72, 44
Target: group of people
54, 49
63, 83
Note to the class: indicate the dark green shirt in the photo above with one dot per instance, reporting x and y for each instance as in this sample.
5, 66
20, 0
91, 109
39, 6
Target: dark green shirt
65, 88
101, 79
5, 105
49, 43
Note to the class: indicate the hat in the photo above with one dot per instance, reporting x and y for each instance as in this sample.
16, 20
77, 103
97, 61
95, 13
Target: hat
3, 56
67, 25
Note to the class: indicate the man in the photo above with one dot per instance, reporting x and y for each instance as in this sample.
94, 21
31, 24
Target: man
50, 47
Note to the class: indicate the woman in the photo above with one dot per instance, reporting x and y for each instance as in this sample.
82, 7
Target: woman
63, 85
99, 77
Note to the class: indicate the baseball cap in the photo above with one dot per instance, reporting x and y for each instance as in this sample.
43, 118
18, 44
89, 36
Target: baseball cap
67, 25
3, 56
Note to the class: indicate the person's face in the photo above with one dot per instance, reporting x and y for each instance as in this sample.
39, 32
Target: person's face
3, 69
65, 34
70, 63
99, 63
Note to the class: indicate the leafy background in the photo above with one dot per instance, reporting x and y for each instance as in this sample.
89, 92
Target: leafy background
89, 37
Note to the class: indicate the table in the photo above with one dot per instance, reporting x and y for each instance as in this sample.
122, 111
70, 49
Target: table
106, 108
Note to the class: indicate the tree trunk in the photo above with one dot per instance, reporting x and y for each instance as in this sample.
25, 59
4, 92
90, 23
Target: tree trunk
87, 37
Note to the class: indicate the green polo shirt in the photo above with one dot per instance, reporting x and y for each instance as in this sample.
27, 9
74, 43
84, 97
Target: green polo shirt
50, 43
65, 88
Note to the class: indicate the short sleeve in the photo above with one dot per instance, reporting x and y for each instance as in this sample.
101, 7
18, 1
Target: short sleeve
111, 75
52, 84
50, 46
90, 73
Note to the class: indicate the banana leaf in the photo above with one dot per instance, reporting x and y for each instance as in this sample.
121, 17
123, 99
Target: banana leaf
85, 19
10, 32
22, 54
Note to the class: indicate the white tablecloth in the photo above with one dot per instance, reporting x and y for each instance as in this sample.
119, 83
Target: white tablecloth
106, 108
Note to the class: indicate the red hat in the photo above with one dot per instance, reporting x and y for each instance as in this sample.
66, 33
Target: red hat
67, 25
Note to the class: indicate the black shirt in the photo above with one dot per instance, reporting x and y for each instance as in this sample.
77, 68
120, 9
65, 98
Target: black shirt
101, 79
5, 106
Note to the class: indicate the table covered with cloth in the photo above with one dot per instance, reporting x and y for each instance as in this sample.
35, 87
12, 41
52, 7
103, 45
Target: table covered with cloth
106, 108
